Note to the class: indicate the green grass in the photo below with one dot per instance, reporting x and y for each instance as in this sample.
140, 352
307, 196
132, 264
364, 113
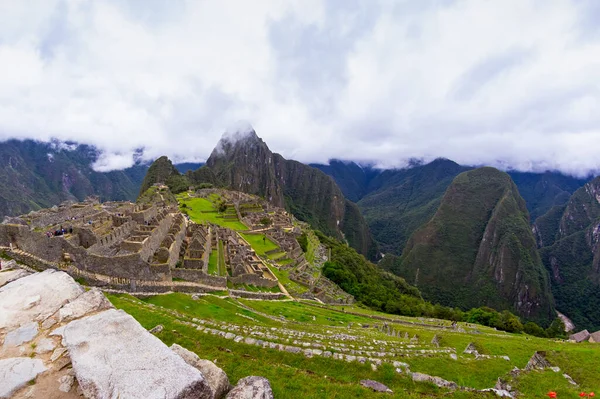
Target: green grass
202, 210
221, 262
283, 276
260, 243
252, 288
213, 260
294, 375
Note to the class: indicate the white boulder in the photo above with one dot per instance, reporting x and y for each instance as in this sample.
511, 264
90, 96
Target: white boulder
15, 372
114, 356
35, 297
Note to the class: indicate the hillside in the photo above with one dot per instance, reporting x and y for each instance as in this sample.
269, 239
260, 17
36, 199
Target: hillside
242, 161
395, 202
479, 237
36, 175
570, 251
162, 171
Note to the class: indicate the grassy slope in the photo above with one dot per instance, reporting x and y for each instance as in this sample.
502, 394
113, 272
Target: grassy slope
202, 210
294, 375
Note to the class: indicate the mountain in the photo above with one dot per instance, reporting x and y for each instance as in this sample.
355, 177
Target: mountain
352, 178
542, 191
478, 249
163, 171
36, 175
569, 237
395, 202
242, 161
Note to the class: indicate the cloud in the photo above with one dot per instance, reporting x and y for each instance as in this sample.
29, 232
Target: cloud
510, 83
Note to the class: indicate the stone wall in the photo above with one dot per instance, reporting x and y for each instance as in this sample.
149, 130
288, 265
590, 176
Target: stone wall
253, 279
257, 295
198, 276
144, 215
151, 244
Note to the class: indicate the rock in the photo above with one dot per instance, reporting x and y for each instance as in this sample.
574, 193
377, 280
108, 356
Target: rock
114, 356
88, 302
499, 392
16, 372
471, 349
66, 383
11, 275
251, 388
435, 341
22, 334
570, 380
373, 367
45, 345
376, 386
555, 369
58, 352
217, 379
157, 329
35, 297
440, 382
537, 362
453, 356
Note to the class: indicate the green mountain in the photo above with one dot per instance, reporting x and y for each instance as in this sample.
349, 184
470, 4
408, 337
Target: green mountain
478, 249
243, 162
401, 201
163, 171
36, 175
569, 237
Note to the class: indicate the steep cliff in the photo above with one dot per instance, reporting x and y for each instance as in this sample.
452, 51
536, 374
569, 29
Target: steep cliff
570, 241
242, 161
478, 249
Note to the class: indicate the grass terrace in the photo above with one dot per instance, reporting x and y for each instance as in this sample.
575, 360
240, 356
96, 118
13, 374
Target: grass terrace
303, 326
202, 210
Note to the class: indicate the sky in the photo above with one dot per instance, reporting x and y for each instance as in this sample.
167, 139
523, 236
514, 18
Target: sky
508, 83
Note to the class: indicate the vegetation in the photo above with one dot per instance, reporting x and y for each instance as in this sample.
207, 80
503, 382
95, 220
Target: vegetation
162, 171
479, 237
259, 243
294, 375
203, 210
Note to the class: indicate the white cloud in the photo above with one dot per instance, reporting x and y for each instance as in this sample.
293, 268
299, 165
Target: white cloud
511, 82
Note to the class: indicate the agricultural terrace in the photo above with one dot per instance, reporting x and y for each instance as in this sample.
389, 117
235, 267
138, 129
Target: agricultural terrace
201, 210
310, 350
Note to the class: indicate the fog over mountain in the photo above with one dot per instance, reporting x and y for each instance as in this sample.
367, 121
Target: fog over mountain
510, 83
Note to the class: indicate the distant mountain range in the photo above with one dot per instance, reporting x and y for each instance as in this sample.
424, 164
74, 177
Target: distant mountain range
521, 241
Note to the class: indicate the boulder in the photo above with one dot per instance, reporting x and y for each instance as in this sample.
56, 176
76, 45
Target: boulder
251, 388
11, 275
440, 382
35, 297
217, 379
156, 329
114, 356
88, 302
16, 372
538, 362
376, 386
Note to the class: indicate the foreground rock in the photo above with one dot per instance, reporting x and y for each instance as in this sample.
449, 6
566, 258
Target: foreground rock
114, 356
251, 388
440, 382
217, 379
376, 386
11, 275
16, 372
35, 297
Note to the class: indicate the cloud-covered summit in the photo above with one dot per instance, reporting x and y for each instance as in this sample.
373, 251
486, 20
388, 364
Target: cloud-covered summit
512, 83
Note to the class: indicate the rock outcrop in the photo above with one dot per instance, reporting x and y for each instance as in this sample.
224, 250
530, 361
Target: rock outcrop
217, 379
251, 388
59, 340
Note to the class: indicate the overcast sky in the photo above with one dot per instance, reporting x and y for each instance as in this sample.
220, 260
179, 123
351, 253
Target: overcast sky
501, 82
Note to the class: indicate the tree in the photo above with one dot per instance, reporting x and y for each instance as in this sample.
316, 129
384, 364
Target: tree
265, 221
533, 329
